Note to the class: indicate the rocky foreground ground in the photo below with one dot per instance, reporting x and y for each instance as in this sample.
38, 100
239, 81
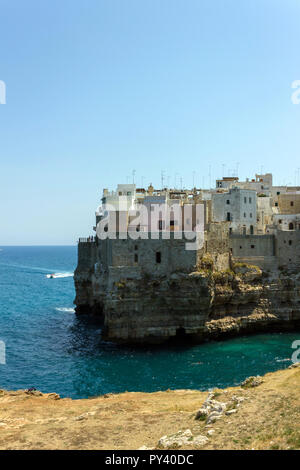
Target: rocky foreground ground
263, 413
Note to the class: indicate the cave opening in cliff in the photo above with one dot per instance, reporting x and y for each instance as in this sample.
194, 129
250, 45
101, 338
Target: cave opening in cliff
180, 333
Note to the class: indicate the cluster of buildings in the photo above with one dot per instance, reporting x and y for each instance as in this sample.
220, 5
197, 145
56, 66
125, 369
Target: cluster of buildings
248, 221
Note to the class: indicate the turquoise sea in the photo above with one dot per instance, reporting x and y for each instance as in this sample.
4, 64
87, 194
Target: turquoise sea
49, 348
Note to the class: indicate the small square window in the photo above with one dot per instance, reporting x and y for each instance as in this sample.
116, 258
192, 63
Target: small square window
136, 258
252, 246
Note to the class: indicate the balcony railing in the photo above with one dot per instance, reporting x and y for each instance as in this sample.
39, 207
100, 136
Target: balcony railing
87, 240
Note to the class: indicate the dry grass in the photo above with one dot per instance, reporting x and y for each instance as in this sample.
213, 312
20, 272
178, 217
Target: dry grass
268, 418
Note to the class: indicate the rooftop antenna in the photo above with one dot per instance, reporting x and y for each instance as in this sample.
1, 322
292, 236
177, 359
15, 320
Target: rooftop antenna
142, 179
181, 186
176, 174
209, 175
223, 169
237, 169
194, 173
127, 179
133, 175
162, 178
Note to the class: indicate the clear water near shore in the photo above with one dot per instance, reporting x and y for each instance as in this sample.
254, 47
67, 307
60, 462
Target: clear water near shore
49, 348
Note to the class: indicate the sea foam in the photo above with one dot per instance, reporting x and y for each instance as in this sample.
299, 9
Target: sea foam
59, 275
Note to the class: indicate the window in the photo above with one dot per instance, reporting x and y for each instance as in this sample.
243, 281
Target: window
291, 226
230, 229
250, 200
136, 258
276, 204
241, 247
128, 193
252, 247
227, 202
172, 222
280, 221
138, 227
120, 193
245, 200
251, 229
278, 192
245, 214
292, 203
250, 215
228, 218
160, 224
290, 242
158, 256
135, 247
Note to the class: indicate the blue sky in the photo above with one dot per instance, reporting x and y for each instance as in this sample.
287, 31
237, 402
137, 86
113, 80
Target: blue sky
100, 88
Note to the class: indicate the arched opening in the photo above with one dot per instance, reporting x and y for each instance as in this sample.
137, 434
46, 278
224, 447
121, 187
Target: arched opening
291, 226
251, 229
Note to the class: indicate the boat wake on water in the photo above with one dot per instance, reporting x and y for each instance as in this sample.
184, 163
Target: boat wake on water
65, 310
59, 275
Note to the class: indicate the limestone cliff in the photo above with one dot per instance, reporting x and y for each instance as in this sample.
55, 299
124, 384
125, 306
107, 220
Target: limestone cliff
201, 304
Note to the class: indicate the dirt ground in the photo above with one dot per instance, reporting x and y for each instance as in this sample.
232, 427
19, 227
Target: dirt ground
267, 418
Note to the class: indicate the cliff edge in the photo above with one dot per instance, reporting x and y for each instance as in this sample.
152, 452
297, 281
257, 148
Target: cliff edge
206, 303
263, 413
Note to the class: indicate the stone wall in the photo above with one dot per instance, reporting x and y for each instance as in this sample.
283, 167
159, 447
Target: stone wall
288, 249
289, 203
252, 245
86, 255
154, 257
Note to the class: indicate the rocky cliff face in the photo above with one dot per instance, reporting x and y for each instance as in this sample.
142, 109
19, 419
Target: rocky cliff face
198, 305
